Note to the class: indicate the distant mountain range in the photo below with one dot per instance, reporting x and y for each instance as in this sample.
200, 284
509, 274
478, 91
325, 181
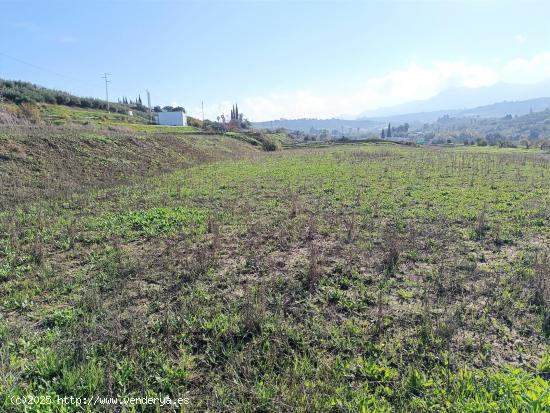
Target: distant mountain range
494, 110
459, 99
518, 108
510, 99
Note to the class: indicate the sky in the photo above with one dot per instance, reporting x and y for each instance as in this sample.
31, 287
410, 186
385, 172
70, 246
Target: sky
276, 59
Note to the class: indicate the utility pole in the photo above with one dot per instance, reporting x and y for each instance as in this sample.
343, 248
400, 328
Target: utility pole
149, 104
107, 81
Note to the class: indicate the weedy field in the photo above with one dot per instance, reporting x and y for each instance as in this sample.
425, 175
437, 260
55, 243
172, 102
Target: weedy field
373, 278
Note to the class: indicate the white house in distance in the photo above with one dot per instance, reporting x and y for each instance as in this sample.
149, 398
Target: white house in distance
172, 118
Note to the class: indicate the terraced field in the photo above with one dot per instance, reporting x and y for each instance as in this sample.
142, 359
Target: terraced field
372, 278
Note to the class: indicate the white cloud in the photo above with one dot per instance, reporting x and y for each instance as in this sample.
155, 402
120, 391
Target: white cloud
531, 70
398, 86
520, 38
413, 82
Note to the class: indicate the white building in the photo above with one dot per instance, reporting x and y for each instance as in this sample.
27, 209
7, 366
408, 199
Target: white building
172, 118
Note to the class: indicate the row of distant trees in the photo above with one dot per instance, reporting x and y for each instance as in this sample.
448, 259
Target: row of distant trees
491, 139
19, 92
169, 109
126, 101
399, 130
236, 121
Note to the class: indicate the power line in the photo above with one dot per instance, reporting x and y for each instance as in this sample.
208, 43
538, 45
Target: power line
43, 68
107, 81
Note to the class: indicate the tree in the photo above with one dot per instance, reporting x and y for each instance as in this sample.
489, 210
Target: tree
383, 134
525, 142
389, 131
245, 123
481, 142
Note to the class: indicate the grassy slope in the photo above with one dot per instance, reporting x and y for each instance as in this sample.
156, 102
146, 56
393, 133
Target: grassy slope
59, 114
62, 115
356, 277
52, 161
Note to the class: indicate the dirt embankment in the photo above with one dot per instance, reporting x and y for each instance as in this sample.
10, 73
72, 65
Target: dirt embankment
49, 162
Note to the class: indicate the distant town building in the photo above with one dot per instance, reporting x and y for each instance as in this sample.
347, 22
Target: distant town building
172, 118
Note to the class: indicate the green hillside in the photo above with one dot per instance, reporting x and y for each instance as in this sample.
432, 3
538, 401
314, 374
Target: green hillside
19, 92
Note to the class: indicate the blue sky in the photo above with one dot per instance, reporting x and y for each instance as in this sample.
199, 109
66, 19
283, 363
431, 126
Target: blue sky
275, 58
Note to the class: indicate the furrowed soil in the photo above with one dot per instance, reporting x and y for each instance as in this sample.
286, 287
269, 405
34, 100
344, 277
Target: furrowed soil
372, 278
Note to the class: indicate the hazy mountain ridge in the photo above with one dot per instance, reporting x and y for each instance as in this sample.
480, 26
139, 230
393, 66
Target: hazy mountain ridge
495, 110
459, 99
494, 101
518, 108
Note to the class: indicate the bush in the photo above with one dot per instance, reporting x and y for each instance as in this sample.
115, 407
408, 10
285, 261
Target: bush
29, 112
481, 142
269, 146
196, 123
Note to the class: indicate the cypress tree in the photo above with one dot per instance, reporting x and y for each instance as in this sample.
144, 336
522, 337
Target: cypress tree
383, 134
389, 131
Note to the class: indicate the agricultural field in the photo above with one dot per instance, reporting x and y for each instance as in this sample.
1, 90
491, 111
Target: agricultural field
343, 278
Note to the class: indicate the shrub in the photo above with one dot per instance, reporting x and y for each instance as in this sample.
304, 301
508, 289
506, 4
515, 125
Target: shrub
481, 142
270, 146
196, 123
29, 112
